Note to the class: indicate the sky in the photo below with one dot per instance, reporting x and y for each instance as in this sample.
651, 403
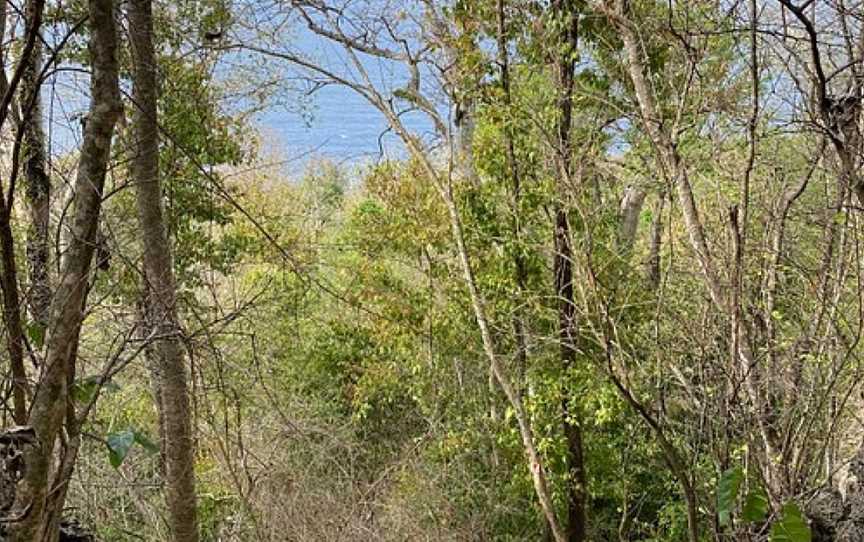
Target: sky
334, 123
339, 124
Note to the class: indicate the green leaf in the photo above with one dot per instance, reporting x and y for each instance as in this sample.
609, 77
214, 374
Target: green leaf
755, 506
727, 493
144, 441
119, 445
791, 527
85, 389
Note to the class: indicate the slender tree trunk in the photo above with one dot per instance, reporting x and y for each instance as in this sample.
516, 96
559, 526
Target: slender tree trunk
535, 462
444, 186
670, 161
67, 456
465, 139
12, 314
161, 285
478, 304
520, 270
652, 263
460, 88
67, 307
631, 208
38, 185
153, 371
568, 328
677, 466
8, 265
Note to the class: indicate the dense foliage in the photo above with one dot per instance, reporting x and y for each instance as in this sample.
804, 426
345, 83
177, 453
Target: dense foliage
611, 288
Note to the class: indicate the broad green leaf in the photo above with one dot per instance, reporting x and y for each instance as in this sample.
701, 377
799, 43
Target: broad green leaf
119, 445
144, 441
727, 493
755, 506
791, 526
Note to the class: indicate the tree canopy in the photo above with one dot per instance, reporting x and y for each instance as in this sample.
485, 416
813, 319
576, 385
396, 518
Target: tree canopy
601, 281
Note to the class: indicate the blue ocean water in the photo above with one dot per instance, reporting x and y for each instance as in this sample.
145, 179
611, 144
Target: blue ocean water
335, 122
336, 125
339, 126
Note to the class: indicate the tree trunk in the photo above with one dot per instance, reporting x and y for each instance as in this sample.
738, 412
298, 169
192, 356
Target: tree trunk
535, 462
12, 314
161, 311
9, 268
520, 269
444, 186
568, 329
67, 308
478, 304
674, 170
38, 185
652, 263
631, 208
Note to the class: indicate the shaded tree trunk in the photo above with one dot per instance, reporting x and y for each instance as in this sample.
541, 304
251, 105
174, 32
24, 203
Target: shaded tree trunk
50, 403
12, 314
568, 328
161, 309
8, 265
520, 269
652, 263
38, 185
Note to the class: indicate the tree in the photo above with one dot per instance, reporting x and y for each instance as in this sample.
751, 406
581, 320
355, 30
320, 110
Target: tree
566, 16
36, 501
160, 287
38, 183
319, 20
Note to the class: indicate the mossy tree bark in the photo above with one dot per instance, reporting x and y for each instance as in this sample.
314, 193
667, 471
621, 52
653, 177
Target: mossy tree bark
51, 401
